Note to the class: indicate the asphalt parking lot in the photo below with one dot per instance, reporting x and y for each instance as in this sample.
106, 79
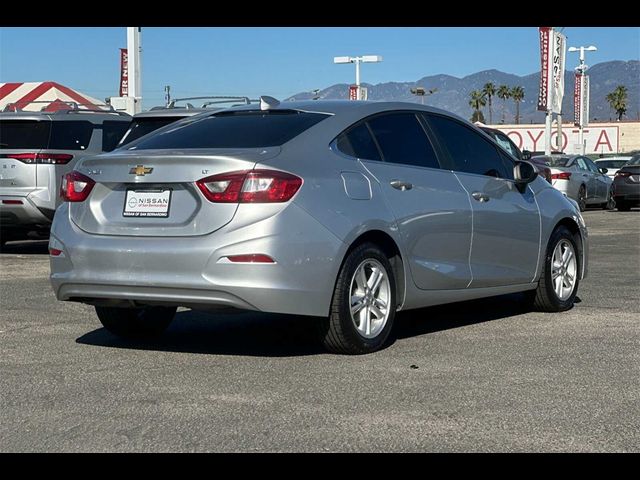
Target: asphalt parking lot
476, 376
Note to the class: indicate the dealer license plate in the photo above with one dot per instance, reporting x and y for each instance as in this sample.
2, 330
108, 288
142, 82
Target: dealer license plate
147, 203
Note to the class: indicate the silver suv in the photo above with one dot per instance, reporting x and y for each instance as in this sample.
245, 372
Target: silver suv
36, 150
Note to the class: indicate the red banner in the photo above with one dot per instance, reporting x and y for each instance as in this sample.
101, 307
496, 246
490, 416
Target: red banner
577, 99
124, 73
353, 92
543, 93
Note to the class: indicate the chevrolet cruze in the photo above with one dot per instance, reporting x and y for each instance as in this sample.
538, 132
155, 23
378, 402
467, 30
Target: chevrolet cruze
343, 211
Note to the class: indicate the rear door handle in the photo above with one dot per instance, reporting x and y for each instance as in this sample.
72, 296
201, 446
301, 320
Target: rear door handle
481, 197
400, 185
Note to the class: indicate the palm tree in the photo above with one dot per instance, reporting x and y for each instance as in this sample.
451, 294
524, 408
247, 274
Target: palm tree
618, 100
517, 93
477, 101
489, 90
503, 93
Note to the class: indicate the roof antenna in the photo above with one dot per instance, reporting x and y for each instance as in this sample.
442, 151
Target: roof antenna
267, 103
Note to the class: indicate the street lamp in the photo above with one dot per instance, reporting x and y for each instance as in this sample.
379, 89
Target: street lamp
358, 61
421, 92
581, 68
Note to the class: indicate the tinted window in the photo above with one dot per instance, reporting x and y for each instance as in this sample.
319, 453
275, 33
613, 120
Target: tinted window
141, 126
402, 140
469, 151
358, 142
70, 135
611, 163
112, 133
591, 166
558, 162
24, 134
582, 165
507, 144
239, 129
635, 160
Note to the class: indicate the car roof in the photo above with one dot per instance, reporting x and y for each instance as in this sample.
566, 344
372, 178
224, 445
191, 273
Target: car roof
612, 158
65, 115
173, 112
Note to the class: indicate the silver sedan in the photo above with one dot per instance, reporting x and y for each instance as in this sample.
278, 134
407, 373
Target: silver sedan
343, 211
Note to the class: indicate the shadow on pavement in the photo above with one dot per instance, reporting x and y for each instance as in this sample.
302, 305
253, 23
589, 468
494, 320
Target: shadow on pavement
26, 247
272, 335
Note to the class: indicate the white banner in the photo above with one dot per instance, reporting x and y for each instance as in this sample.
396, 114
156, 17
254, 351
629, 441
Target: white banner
597, 139
584, 111
557, 71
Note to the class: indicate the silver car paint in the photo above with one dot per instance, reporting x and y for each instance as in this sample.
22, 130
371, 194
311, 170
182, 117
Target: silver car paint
310, 235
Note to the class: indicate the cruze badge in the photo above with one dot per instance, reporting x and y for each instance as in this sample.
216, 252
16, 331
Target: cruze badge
140, 170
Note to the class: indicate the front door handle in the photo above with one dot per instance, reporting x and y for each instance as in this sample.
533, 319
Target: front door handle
481, 197
400, 185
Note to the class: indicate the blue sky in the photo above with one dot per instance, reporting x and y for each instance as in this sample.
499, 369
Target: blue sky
282, 61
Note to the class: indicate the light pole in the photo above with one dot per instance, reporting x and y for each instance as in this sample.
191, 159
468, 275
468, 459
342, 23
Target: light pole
582, 68
358, 61
421, 92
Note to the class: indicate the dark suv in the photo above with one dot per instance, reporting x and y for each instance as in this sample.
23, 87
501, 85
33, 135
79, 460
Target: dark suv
36, 150
158, 117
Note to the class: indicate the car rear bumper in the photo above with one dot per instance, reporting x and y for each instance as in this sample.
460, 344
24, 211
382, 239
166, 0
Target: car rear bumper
20, 211
627, 192
194, 272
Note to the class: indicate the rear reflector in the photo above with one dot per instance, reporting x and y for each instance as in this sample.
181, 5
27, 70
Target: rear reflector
250, 186
76, 187
561, 176
41, 158
54, 252
12, 202
251, 258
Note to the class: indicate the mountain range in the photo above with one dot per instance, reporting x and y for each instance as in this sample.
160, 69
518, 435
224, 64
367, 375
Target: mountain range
452, 93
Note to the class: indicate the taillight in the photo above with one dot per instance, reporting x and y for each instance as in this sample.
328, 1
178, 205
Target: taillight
250, 186
54, 252
41, 158
76, 187
561, 176
623, 174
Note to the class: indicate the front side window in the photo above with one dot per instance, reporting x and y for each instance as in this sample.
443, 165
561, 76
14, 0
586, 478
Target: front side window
112, 132
469, 151
582, 165
141, 126
507, 144
402, 140
234, 129
357, 142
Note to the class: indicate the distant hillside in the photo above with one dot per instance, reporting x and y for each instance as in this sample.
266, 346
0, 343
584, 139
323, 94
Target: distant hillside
453, 93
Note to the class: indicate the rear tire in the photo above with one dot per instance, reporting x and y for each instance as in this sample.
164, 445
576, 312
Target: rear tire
364, 303
610, 204
623, 206
582, 198
136, 323
560, 272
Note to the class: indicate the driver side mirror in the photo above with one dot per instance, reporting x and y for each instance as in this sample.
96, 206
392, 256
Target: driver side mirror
603, 170
524, 173
526, 155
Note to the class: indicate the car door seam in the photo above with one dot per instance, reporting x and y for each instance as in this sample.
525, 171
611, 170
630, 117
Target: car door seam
535, 272
472, 225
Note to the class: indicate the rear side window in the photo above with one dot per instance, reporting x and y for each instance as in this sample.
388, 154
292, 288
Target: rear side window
24, 134
469, 151
402, 140
141, 126
357, 142
239, 129
70, 135
112, 132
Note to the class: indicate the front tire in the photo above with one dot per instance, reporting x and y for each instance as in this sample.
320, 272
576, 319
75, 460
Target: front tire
363, 305
560, 277
136, 323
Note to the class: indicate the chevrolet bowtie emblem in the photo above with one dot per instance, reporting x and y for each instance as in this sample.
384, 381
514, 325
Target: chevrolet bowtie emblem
140, 170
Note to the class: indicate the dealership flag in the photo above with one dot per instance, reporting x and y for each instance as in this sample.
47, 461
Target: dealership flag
552, 59
124, 73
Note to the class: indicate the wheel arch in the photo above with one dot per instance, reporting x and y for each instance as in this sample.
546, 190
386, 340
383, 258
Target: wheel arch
575, 230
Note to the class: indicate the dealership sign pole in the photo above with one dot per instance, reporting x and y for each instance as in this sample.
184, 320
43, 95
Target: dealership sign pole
581, 95
551, 91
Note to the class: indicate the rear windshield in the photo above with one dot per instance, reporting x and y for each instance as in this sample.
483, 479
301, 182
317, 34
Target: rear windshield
33, 134
239, 129
635, 161
141, 126
558, 162
24, 134
611, 163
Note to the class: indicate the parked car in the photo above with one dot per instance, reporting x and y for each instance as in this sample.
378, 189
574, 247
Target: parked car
579, 178
158, 117
626, 184
36, 150
505, 142
343, 211
612, 164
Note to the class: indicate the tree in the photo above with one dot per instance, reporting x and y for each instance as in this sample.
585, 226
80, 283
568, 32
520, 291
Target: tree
477, 101
489, 90
503, 93
517, 93
618, 100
